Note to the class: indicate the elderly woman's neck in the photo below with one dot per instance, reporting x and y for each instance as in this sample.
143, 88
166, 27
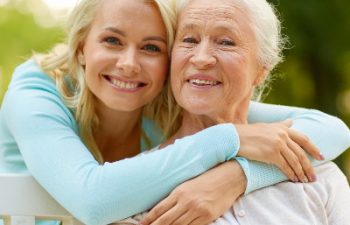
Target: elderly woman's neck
192, 123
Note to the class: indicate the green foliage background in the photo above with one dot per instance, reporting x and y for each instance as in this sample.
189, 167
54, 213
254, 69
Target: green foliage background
315, 74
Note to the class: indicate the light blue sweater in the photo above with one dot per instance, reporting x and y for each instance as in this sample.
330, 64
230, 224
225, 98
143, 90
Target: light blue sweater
39, 135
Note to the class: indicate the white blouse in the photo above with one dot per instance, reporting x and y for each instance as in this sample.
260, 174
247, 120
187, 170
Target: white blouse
324, 202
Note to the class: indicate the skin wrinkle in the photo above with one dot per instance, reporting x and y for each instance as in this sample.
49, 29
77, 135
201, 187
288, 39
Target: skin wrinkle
241, 7
206, 27
199, 14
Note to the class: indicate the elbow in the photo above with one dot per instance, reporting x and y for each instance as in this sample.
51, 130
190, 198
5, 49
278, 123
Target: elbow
343, 132
89, 212
336, 132
328, 132
88, 202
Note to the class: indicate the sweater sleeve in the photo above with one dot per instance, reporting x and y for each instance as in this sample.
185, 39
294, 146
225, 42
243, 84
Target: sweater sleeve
46, 134
327, 132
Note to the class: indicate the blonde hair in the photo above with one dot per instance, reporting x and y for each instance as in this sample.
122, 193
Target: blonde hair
267, 31
62, 64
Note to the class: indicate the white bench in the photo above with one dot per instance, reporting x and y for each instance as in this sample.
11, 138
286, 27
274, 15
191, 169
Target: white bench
23, 200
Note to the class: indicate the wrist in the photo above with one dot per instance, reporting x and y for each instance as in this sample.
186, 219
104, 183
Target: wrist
237, 177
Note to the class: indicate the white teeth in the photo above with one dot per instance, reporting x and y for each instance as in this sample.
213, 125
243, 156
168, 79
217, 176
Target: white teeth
203, 82
125, 85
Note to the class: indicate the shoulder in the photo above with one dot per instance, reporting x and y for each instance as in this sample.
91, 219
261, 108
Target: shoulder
32, 90
30, 80
30, 75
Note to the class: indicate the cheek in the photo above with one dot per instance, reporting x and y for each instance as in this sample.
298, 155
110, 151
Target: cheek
158, 69
176, 65
179, 58
173, 84
238, 77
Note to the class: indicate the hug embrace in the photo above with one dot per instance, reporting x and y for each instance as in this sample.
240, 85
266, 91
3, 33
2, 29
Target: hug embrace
149, 114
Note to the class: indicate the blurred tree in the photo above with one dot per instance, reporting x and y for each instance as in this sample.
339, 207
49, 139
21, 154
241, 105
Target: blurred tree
316, 72
20, 36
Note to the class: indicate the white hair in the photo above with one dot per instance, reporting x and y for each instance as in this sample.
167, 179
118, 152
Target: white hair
267, 30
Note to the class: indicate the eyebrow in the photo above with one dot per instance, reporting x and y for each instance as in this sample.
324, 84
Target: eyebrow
115, 30
150, 38
232, 28
189, 26
228, 28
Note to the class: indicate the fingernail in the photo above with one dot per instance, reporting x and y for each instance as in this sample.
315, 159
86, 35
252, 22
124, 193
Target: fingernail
295, 179
314, 177
305, 180
311, 178
321, 156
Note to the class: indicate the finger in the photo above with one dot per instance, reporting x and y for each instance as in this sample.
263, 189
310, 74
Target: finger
170, 216
303, 160
200, 221
305, 143
287, 122
284, 166
157, 211
293, 161
185, 218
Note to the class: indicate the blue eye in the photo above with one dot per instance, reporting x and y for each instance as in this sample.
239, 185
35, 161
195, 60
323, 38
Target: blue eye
227, 42
151, 48
112, 41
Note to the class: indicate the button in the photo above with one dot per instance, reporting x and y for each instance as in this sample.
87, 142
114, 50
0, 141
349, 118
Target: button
241, 213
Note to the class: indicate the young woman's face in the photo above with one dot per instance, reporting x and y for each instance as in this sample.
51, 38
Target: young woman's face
214, 59
125, 54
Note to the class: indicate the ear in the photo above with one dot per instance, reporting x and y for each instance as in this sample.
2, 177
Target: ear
81, 58
262, 74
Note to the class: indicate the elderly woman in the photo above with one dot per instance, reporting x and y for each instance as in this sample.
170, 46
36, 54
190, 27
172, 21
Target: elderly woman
222, 52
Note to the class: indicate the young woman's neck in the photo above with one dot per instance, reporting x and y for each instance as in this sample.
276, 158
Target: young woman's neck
118, 133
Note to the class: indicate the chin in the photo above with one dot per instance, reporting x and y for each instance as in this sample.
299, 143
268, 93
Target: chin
198, 109
126, 107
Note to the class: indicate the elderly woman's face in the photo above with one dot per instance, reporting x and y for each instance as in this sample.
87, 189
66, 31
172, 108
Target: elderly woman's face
214, 59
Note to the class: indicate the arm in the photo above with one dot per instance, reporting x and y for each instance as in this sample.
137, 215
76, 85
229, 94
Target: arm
200, 200
46, 134
328, 133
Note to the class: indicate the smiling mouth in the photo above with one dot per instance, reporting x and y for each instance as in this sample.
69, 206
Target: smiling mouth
129, 85
203, 83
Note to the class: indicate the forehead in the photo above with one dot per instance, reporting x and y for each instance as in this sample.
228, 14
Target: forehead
132, 15
224, 13
122, 8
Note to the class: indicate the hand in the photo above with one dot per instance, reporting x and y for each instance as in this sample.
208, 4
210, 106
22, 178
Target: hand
278, 144
201, 200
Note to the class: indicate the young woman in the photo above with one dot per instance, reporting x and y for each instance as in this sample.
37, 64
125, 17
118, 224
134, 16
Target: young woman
73, 119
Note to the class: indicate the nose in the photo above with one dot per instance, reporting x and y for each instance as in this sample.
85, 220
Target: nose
128, 61
203, 57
